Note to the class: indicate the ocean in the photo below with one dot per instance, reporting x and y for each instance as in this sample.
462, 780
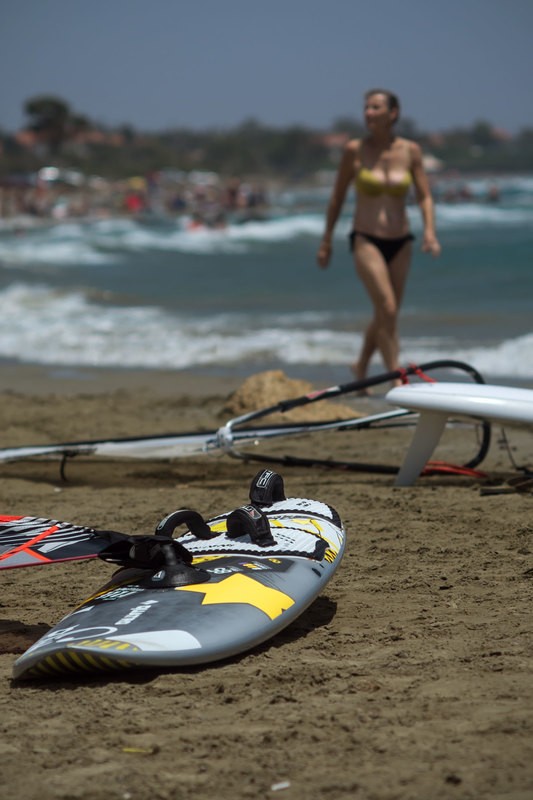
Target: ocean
149, 293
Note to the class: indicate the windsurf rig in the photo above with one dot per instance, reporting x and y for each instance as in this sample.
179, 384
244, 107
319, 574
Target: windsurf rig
238, 435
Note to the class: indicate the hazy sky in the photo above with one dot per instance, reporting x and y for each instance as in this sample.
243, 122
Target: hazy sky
157, 64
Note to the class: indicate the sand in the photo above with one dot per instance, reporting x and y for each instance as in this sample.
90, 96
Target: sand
409, 677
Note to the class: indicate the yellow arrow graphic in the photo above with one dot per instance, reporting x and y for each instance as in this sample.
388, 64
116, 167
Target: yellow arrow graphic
239, 588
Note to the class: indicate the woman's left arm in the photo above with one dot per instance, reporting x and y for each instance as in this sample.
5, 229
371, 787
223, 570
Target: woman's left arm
430, 243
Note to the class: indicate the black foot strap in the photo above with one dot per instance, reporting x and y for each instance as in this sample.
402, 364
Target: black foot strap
194, 521
251, 521
267, 488
145, 552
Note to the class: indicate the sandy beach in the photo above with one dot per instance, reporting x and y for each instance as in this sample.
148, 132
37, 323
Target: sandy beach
409, 678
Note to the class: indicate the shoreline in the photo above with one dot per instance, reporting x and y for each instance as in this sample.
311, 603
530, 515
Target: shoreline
57, 379
202, 382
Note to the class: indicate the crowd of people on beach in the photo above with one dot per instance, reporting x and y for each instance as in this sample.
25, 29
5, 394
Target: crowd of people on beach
457, 191
204, 198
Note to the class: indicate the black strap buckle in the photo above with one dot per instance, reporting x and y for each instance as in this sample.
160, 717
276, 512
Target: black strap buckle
161, 550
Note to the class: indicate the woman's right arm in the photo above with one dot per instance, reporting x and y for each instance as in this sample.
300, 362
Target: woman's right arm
345, 175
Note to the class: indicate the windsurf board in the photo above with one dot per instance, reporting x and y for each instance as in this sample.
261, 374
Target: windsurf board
35, 541
507, 404
232, 584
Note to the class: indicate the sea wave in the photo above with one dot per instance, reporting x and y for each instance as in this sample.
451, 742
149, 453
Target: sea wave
102, 242
46, 326
59, 246
469, 215
510, 358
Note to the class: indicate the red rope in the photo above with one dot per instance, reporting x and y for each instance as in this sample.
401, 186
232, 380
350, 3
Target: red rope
404, 375
442, 467
421, 374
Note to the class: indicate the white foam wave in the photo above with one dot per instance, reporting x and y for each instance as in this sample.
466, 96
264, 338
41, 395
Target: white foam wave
479, 214
40, 325
509, 358
506, 184
128, 235
279, 230
58, 246
231, 239
112, 240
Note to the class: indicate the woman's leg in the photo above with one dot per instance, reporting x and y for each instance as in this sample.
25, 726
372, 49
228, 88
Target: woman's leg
369, 347
398, 272
385, 284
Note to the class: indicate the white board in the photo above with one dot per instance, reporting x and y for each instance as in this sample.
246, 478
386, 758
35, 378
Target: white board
436, 402
481, 400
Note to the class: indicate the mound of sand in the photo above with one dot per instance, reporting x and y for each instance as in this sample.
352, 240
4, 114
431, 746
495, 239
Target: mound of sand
268, 388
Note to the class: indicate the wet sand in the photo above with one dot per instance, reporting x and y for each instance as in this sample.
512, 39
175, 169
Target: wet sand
409, 677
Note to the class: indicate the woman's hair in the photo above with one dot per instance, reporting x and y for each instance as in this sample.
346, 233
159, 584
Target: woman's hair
393, 103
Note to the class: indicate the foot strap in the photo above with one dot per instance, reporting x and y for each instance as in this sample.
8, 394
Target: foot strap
145, 552
251, 521
267, 488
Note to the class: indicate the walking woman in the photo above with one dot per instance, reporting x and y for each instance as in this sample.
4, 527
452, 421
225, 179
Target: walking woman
382, 167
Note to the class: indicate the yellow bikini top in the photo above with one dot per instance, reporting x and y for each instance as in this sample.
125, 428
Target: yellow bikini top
368, 183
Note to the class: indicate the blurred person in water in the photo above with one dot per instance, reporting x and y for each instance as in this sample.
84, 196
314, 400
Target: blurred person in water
382, 167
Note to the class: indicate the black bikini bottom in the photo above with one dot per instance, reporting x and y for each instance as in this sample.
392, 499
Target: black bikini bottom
387, 247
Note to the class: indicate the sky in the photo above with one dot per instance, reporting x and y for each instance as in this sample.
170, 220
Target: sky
163, 64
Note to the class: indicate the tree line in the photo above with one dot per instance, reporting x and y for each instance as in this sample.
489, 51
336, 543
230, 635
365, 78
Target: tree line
60, 136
